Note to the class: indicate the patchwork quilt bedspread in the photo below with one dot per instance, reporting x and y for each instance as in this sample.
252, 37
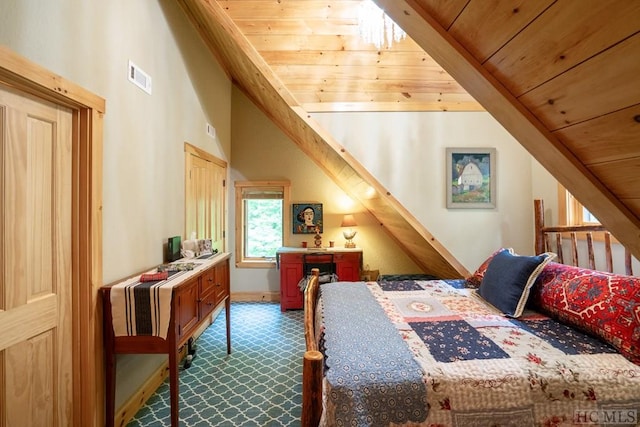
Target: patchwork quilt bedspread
479, 367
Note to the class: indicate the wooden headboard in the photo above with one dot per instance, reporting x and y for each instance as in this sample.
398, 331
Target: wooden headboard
552, 238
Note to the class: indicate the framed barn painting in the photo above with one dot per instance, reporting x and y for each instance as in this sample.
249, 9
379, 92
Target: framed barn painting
471, 178
307, 218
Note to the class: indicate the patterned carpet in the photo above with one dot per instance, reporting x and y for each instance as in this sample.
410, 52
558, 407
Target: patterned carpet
259, 384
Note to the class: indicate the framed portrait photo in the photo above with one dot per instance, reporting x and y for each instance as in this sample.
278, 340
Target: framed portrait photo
471, 178
307, 218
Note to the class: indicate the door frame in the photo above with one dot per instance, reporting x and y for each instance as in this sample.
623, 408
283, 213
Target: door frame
88, 111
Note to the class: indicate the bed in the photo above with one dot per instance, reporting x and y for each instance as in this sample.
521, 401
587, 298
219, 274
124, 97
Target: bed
558, 345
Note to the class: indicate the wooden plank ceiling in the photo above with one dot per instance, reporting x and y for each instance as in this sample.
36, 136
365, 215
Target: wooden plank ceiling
560, 76
315, 50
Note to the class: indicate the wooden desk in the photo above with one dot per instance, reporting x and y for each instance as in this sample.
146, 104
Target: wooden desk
193, 300
347, 266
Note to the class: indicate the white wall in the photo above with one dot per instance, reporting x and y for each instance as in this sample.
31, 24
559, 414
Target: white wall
406, 153
90, 43
262, 152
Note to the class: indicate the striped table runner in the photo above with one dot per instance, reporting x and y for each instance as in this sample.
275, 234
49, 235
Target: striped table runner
144, 308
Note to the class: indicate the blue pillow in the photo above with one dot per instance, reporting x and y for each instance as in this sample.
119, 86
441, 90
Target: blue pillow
509, 278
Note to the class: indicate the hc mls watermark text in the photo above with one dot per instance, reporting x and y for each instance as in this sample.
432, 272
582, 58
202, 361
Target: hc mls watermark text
606, 416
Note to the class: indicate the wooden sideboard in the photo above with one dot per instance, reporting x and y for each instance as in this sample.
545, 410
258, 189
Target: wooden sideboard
193, 299
346, 264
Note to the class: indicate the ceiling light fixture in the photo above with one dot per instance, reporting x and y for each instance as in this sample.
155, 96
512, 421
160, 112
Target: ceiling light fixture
376, 27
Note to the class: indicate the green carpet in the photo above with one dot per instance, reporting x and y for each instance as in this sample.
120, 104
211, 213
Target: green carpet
259, 384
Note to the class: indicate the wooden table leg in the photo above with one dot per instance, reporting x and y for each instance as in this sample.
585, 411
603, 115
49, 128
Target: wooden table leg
227, 309
109, 361
173, 386
110, 386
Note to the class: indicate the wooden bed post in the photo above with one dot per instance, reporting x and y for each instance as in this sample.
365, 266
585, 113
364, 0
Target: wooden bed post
539, 225
313, 362
312, 388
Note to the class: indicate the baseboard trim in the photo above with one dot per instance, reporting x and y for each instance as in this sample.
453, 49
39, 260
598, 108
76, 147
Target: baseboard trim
131, 407
255, 296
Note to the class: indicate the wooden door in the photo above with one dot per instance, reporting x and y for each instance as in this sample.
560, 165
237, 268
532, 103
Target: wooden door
36, 377
205, 196
199, 185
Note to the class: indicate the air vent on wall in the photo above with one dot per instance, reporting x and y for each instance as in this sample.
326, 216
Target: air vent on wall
139, 77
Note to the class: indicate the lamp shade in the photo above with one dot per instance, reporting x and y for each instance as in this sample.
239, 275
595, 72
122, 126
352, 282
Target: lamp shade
348, 221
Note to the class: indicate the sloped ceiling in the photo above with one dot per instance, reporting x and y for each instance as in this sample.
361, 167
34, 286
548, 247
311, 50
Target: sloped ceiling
315, 50
559, 76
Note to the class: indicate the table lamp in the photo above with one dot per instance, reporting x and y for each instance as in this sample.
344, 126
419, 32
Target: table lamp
349, 221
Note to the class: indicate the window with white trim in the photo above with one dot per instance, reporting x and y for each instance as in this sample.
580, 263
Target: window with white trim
261, 217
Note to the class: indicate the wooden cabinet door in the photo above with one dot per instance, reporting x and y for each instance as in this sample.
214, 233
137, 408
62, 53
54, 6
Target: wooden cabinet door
348, 266
214, 287
290, 274
186, 309
221, 288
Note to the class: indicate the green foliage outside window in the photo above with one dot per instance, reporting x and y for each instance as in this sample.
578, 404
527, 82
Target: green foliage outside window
264, 227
